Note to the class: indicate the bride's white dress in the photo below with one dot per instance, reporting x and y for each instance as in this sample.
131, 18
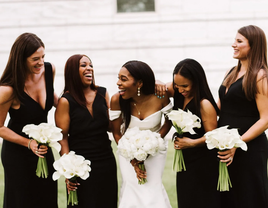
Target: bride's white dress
152, 194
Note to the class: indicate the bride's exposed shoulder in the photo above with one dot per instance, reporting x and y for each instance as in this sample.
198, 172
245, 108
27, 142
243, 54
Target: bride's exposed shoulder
115, 105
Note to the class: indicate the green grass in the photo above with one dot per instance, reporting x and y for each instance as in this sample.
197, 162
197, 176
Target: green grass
169, 180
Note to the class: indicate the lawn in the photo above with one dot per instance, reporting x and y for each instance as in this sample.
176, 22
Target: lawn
169, 180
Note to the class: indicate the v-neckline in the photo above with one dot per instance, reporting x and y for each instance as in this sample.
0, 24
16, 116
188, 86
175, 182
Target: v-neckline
92, 115
225, 93
38, 102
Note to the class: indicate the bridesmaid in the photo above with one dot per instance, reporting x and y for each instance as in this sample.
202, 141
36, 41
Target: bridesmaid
243, 101
197, 186
82, 114
27, 94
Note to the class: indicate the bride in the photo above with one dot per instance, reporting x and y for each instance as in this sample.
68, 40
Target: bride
136, 105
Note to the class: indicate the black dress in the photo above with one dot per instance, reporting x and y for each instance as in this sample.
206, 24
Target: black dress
248, 171
197, 186
88, 137
22, 187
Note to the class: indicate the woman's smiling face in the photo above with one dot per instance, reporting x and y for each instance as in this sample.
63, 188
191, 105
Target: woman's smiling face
183, 85
86, 71
127, 85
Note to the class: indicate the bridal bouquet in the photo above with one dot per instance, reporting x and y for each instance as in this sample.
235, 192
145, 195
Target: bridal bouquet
140, 144
183, 122
44, 134
71, 166
223, 138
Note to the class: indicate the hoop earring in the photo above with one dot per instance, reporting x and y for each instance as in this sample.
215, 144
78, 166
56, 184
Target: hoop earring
139, 92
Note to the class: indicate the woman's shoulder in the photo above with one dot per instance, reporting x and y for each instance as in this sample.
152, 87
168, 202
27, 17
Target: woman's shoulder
7, 94
115, 105
262, 73
6, 91
205, 105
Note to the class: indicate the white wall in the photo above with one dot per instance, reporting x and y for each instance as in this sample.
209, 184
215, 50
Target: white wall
203, 30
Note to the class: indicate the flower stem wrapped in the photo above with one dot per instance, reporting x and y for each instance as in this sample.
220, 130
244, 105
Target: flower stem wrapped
44, 134
183, 122
71, 166
72, 198
142, 167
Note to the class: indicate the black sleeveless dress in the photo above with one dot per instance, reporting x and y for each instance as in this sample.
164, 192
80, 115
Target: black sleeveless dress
88, 137
22, 187
248, 171
197, 186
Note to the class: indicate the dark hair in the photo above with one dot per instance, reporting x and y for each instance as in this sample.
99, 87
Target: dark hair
16, 69
192, 70
73, 83
257, 59
140, 71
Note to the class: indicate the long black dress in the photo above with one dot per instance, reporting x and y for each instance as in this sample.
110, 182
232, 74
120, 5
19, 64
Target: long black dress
22, 187
197, 186
248, 171
88, 137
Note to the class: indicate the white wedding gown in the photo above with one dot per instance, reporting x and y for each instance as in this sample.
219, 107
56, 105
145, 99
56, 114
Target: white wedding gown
152, 194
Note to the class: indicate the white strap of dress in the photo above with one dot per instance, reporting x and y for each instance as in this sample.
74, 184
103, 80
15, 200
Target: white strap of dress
167, 108
114, 114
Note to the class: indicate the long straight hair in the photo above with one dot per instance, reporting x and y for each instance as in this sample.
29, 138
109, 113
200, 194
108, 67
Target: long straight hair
257, 60
192, 70
73, 82
140, 71
16, 69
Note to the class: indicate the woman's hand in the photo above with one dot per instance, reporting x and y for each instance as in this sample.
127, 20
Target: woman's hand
227, 156
39, 150
183, 143
140, 173
70, 185
160, 89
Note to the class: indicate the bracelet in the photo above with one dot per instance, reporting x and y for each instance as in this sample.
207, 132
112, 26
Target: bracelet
29, 143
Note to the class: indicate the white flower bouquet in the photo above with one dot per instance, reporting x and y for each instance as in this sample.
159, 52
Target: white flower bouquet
183, 122
223, 138
71, 166
140, 144
44, 134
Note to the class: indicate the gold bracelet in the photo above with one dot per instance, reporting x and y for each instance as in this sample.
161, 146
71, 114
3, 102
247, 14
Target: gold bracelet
29, 143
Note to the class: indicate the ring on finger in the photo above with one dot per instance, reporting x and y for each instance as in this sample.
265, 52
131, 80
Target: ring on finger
36, 152
230, 158
176, 146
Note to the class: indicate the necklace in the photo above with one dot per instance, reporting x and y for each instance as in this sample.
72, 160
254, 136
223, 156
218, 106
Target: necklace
139, 113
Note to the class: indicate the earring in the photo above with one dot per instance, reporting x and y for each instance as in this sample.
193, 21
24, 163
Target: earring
139, 92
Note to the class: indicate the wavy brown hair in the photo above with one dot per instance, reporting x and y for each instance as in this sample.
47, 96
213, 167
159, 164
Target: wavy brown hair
16, 69
257, 60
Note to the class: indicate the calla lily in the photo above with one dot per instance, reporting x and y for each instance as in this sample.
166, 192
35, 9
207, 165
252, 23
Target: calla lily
223, 138
45, 134
71, 166
183, 122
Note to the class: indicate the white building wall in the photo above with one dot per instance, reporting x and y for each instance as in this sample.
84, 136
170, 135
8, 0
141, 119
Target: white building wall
178, 29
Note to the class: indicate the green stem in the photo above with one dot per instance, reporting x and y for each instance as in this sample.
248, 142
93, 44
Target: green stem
224, 180
142, 167
42, 170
